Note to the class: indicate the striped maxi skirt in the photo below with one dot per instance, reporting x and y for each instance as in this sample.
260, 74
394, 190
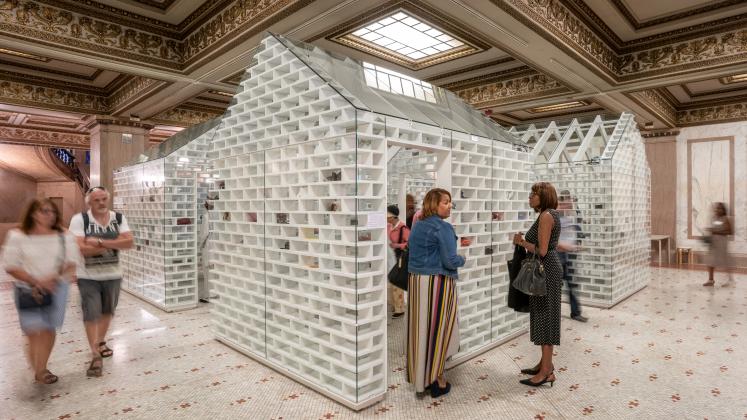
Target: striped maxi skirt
432, 328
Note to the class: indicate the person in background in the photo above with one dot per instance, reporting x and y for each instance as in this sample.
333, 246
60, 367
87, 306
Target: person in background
398, 234
432, 330
101, 234
409, 209
544, 311
718, 253
41, 257
569, 243
203, 286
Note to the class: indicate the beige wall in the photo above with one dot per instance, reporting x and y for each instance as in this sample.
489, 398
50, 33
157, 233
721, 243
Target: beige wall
109, 151
16, 191
662, 159
72, 197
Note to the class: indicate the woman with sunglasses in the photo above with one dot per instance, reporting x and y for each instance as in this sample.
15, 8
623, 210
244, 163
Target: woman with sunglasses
42, 258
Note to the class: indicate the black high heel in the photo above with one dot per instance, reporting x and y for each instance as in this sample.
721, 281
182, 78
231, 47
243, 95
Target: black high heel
437, 391
533, 371
530, 371
529, 382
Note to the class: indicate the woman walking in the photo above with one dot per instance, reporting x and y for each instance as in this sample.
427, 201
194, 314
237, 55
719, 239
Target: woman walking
42, 259
718, 253
432, 329
544, 311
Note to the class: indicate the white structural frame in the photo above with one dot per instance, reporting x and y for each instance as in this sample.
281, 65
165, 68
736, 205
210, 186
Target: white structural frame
611, 190
162, 200
298, 232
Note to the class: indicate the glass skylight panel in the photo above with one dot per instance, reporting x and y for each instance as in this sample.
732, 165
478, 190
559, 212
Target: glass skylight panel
398, 83
408, 36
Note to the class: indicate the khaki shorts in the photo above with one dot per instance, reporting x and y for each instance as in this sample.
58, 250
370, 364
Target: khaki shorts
98, 297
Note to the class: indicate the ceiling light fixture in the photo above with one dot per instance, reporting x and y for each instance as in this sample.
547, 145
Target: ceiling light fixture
557, 107
737, 78
404, 38
23, 54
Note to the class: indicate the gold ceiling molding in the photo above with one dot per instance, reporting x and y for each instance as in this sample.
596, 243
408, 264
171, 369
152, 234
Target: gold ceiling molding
555, 21
234, 24
659, 133
637, 25
26, 94
657, 104
712, 114
592, 20
185, 116
511, 73
26, 136
136, 90
512, 91
476, 67
712, 51
87, 78
53, 94
56, 27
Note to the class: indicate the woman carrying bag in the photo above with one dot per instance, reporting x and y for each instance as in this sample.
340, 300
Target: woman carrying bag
399, 234
432, 328
544, 311
42, 258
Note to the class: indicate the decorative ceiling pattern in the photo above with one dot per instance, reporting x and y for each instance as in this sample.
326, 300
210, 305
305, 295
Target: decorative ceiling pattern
174, 63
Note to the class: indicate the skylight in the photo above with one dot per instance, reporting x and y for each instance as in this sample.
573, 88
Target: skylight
406, 35
398, 83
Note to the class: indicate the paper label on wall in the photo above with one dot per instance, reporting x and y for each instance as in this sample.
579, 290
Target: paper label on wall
376, 221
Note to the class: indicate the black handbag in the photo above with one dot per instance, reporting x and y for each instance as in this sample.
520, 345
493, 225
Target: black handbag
398, 274
31, 298
531, 279
517, 300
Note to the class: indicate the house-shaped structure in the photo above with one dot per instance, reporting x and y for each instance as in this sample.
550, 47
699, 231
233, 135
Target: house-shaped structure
162, 195
298, 233
602, 165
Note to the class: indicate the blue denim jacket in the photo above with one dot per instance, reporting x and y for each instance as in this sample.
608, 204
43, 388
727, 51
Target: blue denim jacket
432, 245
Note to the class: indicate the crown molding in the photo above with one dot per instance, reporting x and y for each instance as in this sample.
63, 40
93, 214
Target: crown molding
638, 25
185, 115
513, 90
57, 138
713, 114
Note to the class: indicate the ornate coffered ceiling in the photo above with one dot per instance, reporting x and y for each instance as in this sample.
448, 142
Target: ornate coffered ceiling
174, 63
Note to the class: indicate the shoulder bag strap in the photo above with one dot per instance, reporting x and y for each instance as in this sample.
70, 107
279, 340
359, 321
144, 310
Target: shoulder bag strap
86, 222
64, 252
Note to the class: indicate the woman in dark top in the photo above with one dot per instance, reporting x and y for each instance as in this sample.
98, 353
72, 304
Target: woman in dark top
544, 314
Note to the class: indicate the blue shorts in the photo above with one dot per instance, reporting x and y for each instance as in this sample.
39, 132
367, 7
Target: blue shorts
48, 318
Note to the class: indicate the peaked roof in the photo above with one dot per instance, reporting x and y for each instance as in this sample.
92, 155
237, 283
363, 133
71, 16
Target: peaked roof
175, 142
348, 77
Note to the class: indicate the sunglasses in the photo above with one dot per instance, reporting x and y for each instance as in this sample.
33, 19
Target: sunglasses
92, 189
47, 211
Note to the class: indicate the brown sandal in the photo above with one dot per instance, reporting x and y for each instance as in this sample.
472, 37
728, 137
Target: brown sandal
47, 378
95, 368
104, 350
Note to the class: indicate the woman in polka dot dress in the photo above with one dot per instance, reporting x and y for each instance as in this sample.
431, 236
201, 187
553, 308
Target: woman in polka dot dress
544, 311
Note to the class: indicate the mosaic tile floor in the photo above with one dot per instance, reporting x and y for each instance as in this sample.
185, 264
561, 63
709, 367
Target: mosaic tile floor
674, 350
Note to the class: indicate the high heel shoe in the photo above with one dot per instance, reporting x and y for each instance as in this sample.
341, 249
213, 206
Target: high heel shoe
529, 382
437, 391
531, 371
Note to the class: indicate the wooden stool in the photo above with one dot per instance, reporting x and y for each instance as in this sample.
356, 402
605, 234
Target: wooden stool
683, 252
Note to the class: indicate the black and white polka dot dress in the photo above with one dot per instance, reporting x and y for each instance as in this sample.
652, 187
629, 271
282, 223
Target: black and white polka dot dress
544, 311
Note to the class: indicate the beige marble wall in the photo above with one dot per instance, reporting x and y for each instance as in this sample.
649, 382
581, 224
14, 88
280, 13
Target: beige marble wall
662, 160
112, 147
711, 174
72, 197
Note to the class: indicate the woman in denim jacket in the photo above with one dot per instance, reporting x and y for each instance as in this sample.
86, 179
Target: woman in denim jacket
433, 332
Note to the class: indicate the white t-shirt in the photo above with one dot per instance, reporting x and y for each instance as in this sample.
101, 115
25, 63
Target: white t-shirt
102, 271
39, 255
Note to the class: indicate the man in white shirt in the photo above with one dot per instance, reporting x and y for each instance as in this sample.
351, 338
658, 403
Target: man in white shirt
101, 234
